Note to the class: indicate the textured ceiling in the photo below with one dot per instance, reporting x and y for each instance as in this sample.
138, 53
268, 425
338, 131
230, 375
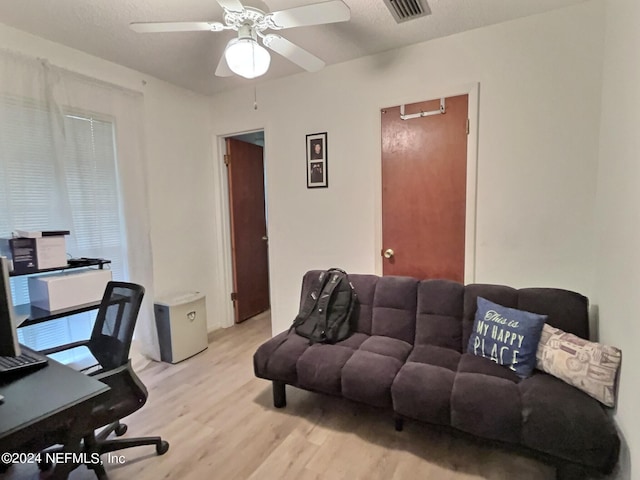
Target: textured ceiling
189, 59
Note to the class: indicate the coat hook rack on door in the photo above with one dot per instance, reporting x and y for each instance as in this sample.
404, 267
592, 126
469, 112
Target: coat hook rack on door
441, 111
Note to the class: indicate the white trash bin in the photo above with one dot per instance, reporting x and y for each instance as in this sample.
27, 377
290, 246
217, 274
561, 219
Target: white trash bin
181, 321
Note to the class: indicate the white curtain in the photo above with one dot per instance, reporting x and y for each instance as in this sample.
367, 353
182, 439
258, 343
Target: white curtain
36, 93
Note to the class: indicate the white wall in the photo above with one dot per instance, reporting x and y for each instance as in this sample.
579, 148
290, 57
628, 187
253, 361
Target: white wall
618, 215
540, 86
178, 148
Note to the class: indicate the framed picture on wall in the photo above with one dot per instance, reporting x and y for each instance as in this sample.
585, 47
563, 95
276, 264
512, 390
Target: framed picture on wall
317, 160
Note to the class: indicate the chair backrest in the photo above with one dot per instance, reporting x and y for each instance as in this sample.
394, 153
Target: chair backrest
116, 319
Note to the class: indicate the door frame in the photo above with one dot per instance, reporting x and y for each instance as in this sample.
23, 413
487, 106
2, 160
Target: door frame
473, 90
224, 273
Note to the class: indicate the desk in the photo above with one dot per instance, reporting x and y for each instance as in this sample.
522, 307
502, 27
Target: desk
47, 406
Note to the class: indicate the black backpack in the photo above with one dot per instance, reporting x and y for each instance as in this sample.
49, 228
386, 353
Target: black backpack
325, 314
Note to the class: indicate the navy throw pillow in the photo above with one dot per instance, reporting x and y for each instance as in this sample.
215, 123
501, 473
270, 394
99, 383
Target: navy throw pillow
507, 336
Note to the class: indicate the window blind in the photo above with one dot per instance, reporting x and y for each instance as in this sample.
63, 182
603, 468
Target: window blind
31, 186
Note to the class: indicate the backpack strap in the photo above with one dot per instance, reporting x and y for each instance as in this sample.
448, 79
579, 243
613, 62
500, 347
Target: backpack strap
326, 294
352, 302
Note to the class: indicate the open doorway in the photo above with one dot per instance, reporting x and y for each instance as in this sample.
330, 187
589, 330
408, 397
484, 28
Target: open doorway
244, 159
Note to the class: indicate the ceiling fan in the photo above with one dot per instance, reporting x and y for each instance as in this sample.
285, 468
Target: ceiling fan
243, 55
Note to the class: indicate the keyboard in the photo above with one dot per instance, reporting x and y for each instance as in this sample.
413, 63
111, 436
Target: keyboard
27, 360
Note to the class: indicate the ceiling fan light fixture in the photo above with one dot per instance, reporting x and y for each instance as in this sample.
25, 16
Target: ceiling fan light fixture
247, 58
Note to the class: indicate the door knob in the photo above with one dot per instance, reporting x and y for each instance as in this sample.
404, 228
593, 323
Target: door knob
388, 253
265, 238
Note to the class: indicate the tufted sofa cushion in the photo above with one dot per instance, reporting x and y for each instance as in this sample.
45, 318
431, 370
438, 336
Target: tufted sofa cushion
361, 367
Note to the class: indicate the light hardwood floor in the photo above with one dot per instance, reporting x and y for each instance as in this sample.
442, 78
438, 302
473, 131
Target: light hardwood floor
221, 424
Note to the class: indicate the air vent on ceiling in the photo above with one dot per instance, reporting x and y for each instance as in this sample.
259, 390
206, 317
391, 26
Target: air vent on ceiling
403, 10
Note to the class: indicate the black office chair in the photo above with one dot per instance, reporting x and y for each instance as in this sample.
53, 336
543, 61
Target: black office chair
109, 343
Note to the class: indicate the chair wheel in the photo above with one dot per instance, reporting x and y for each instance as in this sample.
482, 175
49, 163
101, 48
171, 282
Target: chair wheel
120, 430
162, 448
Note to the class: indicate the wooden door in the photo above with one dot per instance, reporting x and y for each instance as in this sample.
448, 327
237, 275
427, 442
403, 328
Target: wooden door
245, 167
424, 176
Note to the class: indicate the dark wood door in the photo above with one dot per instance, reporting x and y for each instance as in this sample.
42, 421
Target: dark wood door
424, 175
248, 228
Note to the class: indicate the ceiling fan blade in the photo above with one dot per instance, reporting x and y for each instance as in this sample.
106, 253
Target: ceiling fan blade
294, 53
315, 14
223, 69
233, 5
156, 27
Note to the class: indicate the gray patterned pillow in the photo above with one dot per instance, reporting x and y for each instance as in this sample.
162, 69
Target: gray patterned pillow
591, 367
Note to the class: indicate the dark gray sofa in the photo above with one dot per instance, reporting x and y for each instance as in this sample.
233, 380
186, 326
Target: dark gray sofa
407, 354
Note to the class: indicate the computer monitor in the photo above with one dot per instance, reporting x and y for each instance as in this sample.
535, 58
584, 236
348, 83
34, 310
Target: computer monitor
9, 345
